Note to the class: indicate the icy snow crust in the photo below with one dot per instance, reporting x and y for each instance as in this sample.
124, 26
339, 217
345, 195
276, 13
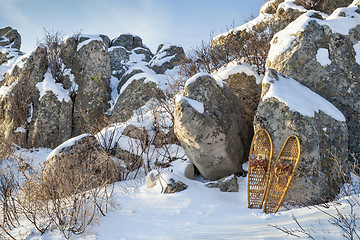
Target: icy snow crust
299, 98
339, 24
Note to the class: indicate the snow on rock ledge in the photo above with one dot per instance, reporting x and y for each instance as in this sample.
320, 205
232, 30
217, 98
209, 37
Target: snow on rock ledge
298, 97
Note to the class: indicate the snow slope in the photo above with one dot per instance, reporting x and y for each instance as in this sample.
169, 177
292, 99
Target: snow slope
196, 213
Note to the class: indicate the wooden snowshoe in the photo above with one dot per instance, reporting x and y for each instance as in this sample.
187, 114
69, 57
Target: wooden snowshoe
282, 174
260, 159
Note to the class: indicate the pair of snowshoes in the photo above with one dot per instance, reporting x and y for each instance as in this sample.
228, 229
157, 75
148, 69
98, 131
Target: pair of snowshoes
268, 181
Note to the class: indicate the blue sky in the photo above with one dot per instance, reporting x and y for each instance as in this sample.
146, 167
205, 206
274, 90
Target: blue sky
184, 22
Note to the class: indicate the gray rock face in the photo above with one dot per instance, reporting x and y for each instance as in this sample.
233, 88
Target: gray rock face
91, 67
215, 140
136, 94
80, 166
248, 94
228, 184
338, 79
15, 120
166, 57
316, 179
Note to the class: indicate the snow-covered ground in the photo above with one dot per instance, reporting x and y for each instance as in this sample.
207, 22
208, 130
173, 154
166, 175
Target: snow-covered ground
196, 213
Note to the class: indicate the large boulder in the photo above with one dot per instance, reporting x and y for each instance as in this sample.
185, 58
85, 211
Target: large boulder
322, 54
288, 108
211, 127
79, 164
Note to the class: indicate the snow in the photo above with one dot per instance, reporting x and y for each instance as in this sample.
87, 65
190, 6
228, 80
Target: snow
161, 58
5, 90
65, 144
199, 213
357, 52
49, 84
114, 83
20, 130
322, 56
299, 98
233, 68
198, 106
31, 112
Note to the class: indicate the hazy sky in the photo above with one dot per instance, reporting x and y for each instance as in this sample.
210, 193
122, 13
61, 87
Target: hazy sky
184, 22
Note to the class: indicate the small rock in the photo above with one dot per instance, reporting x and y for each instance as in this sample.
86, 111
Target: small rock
174, 186
190, 171
228, 184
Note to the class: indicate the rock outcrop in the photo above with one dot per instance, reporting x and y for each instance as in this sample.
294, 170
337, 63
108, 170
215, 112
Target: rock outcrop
322, 57
89, 61
166, 57
288, 108
210, 127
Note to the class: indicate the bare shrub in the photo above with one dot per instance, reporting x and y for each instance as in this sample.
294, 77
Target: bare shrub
52, 41
60, 202
250, 46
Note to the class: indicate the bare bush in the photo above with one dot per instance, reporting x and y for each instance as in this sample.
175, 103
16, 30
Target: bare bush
250, 46
52, 41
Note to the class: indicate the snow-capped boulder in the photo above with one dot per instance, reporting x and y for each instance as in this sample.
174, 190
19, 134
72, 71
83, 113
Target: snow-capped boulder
166, 57
323, 54
287, 108
79, 164
211, 127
